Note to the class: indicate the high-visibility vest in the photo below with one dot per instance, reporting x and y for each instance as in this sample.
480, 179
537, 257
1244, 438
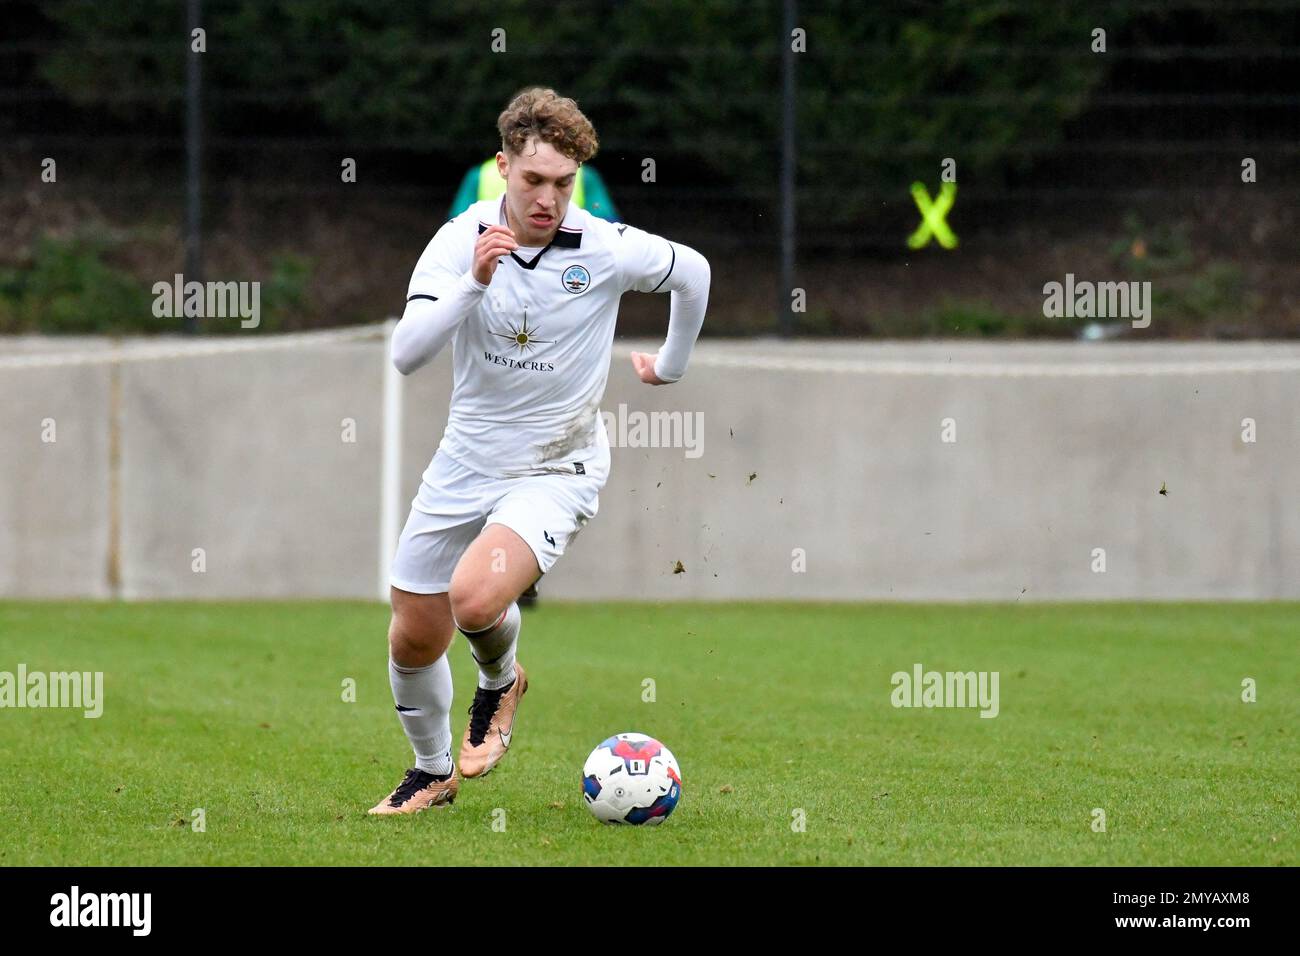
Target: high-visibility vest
492, 186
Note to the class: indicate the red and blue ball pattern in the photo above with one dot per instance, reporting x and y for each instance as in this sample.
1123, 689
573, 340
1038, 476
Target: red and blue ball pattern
631, 778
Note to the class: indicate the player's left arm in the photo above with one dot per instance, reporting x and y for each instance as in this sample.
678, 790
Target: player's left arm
653, 264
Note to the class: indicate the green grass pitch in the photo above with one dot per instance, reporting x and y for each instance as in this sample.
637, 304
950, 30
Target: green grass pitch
237, 708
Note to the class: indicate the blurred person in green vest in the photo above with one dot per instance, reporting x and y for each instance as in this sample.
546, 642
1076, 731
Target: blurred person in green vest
484, 182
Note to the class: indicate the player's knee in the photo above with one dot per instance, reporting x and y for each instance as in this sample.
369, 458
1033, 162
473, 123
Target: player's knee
418, 632
403, 641
414, 643
473, 606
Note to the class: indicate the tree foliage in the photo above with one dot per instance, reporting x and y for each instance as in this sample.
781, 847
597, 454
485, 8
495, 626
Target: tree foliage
885, 91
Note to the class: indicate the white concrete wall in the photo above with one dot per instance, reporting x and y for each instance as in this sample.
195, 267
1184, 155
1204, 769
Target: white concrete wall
241, 455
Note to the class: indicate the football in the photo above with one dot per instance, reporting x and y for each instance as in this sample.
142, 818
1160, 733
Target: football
631, 778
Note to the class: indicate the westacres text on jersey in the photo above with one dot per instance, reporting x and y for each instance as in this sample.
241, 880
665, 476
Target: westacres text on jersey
511, 363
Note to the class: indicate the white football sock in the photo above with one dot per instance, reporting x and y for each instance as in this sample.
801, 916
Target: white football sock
423, 699
493, 649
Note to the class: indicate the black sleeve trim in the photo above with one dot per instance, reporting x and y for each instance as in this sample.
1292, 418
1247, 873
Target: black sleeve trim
431, 298
670, 268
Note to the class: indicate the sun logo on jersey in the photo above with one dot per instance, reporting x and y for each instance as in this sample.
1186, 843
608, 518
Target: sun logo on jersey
576, 279
524, 338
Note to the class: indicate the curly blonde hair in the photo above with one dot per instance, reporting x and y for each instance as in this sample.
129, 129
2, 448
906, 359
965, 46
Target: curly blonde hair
541, 113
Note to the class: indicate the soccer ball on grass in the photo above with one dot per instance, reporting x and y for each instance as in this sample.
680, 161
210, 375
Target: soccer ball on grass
631, 778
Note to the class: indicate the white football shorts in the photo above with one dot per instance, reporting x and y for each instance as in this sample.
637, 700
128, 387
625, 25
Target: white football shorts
454, 504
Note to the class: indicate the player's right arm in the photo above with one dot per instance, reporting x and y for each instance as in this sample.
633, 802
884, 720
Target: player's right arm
443, 292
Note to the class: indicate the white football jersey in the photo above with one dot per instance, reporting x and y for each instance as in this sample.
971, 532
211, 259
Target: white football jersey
532, 360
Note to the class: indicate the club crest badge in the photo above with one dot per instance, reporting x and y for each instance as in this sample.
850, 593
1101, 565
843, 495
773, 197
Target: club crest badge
576, 279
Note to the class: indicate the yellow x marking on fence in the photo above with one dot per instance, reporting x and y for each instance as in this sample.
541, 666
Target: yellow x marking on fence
932, 217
